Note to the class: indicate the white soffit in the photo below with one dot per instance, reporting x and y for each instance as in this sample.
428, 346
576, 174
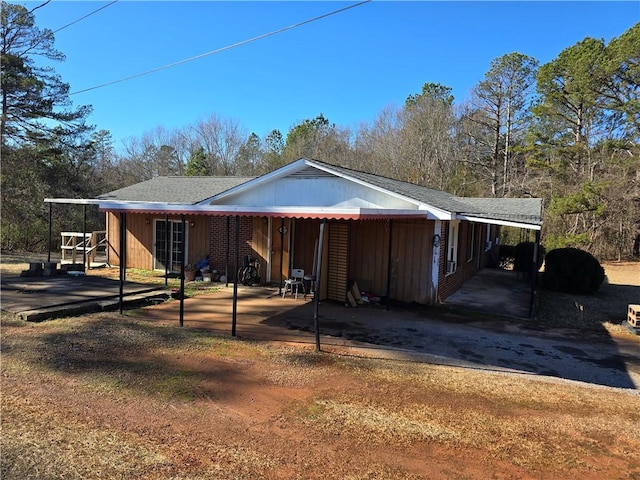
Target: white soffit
508, 223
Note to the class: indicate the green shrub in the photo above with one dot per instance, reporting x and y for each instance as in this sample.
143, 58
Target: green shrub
572, 270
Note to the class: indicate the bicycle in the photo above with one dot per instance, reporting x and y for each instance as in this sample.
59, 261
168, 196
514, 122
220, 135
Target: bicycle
249, 273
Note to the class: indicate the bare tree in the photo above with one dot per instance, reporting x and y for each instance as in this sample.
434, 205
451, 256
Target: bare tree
222, 140
377, 146
158, 152
426, 136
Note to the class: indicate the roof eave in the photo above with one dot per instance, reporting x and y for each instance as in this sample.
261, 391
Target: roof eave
509, 223
296, 212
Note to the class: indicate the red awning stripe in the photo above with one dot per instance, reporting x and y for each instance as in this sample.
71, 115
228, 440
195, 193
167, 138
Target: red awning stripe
318, 215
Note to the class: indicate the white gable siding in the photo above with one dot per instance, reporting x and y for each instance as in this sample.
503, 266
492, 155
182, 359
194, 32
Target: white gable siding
315, 192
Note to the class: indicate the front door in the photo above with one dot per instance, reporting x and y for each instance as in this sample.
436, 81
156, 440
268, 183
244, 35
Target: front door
168, 243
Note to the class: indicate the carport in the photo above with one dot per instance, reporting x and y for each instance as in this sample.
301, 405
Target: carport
426, 263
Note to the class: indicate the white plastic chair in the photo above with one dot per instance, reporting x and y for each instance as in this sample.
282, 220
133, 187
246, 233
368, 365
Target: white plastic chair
294, 283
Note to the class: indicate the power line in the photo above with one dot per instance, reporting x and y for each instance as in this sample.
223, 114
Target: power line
87, 15
222, 49
39, 6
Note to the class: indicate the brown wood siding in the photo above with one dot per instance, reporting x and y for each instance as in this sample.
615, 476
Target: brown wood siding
305, 244
198, 236
280, 245
140, 246
338, 261
411, 251
113, 239
260, 243
368, 255
139, 240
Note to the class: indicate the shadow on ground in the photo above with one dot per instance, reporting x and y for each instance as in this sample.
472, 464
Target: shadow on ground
444, 336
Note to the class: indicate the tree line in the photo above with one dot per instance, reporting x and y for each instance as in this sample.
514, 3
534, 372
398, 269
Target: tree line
567, 131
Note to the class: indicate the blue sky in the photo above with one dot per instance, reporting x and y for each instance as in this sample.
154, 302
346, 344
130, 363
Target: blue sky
348, 66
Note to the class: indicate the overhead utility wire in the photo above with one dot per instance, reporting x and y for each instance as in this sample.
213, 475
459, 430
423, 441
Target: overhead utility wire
39, 6
87, 15
222, 49
31, 47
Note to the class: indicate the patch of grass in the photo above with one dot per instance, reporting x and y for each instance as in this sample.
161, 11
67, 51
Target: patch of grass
40, 442
310, 411
587, 312
9, 319
178, 385
152, 277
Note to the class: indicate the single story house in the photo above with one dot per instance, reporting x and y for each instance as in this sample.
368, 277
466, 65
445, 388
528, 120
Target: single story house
406, 242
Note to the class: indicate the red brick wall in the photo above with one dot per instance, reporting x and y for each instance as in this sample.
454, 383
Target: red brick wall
447, 284
218, 244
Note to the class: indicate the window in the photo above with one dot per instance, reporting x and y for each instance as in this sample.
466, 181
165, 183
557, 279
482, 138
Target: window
452, 247
487, 240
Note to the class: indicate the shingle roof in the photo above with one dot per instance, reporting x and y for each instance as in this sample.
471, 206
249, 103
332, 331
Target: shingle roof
175, 190
196, 190
527, 210
430, 196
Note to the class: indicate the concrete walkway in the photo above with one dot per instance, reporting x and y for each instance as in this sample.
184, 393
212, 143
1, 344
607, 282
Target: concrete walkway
496, 292
40, 298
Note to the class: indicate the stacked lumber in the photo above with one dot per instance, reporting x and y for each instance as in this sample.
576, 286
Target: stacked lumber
353, 295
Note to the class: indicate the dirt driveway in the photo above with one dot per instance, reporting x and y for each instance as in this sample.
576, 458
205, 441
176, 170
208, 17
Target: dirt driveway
106, 395
430, 335
435, 335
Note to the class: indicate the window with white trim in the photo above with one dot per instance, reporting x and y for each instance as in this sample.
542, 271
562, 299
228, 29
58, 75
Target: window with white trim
452, 247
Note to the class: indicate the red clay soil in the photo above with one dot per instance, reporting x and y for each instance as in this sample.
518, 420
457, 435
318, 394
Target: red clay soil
281, 411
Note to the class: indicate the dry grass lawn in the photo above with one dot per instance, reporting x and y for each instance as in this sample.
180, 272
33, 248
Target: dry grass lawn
106, 396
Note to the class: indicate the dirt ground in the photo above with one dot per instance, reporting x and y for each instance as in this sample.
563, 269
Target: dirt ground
106, 396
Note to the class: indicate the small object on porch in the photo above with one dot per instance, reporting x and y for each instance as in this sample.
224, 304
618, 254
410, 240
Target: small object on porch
355, 291
190, 272
203, 264
50, 269
249, 273
71, 267
351, 301
293, 284
35, 270
175, 294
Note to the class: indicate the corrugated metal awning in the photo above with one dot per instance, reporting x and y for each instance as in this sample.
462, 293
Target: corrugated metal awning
248, 211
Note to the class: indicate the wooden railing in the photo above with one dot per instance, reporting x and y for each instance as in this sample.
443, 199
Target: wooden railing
77, 244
